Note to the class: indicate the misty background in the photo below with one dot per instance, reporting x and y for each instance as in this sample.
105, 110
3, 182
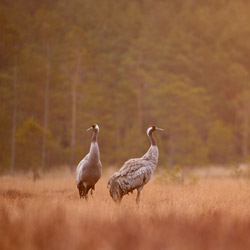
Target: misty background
126, 65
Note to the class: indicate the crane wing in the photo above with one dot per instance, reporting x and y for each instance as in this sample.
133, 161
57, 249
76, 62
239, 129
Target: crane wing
135, 179
127, 170
134, 173
131, 166
80, 168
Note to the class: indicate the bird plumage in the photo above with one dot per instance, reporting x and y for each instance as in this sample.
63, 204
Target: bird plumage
89, 169
135, 173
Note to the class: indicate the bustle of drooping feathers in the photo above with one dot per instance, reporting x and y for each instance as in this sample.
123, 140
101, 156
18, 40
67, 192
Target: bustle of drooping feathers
134, 174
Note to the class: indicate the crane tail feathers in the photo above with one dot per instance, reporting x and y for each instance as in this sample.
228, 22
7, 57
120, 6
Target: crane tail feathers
115, 189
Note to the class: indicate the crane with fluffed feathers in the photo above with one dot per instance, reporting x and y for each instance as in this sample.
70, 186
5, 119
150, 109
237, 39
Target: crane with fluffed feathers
89, 170
135, 173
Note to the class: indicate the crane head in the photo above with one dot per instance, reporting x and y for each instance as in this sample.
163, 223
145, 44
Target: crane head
152, 129
94, 127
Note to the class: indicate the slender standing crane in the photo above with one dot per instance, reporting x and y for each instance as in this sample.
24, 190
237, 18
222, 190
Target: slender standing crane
89, 170
135, 173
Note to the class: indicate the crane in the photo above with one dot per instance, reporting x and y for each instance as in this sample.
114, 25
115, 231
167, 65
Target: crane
135, 173
89, 169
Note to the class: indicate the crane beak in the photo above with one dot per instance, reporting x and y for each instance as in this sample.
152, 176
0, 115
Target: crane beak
89, 128
161, 129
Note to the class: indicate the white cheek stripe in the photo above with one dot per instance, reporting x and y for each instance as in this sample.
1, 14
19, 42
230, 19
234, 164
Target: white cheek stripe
149, 129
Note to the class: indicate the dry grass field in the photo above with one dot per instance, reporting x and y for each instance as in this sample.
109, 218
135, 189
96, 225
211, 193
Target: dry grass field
48, 214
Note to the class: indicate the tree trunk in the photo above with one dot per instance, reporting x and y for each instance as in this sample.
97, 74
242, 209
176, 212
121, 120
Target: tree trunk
74, 109
244, 114
139, 86
245, 136
46, 109
13, 136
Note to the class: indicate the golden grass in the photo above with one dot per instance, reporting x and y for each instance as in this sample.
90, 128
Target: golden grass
48, 214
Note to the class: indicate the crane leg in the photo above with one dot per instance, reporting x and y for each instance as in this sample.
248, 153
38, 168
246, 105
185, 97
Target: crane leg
81, 190
82, 193
91, 192
138, 195
86, 192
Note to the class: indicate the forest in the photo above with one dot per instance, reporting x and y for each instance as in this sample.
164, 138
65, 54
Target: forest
126, 65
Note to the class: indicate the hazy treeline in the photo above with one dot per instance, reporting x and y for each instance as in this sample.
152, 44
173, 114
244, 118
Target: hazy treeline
181, 65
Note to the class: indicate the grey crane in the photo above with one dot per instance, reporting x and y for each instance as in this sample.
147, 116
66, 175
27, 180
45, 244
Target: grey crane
135, 173
89, 169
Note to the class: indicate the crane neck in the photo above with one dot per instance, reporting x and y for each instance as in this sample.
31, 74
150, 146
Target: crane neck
152, 139
94, 153
94, 136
